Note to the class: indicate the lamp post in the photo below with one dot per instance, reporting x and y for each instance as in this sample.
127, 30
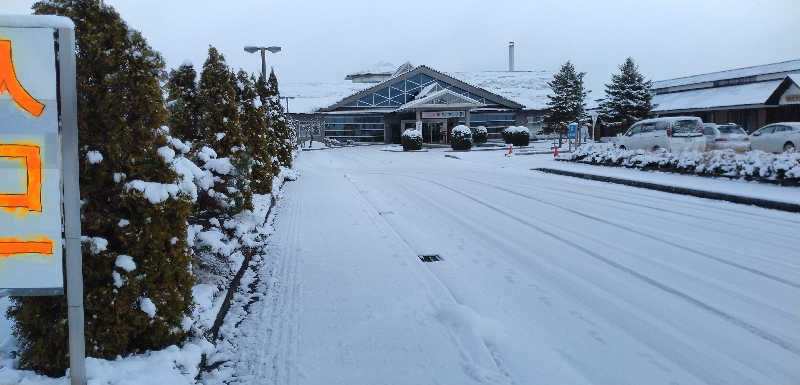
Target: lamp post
254, 49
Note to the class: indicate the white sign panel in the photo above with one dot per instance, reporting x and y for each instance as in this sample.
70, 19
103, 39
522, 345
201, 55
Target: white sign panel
442, 114
30, 164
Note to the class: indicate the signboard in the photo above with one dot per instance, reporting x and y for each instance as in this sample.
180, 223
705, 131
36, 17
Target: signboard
442, 114
39, 195
572, 129
30, 163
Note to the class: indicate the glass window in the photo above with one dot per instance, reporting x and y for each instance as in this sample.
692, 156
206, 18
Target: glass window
686, 126
730, 129
764, 130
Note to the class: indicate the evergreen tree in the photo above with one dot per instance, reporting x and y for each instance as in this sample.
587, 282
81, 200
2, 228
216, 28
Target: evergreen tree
120, 109
285, 136
220, 128
182, 103
217, 108
567, 102
254, 122
627, 99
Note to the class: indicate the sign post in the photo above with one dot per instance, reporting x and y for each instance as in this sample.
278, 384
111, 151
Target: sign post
571, 136
39, 194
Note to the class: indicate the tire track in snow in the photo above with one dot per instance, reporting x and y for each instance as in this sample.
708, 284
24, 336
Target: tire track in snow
492, 354
650, 281
272, 356
642, 233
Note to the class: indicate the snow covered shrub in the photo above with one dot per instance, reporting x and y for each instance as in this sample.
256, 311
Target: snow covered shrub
461, 138
133, 213
479, 135
411, 140
517, 135
753, 165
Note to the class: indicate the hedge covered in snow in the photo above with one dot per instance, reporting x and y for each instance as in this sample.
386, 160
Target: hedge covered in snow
479, 135
412, 140
753, 165
461, 138
517, 135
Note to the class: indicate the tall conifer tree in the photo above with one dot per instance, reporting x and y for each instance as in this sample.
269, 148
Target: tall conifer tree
627, 99
182, 103
137, 286
567, 102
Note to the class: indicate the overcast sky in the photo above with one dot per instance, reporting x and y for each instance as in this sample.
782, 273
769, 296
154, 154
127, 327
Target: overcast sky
326, 39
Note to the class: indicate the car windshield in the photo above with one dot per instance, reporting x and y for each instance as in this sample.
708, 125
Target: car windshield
728, 130
685, 126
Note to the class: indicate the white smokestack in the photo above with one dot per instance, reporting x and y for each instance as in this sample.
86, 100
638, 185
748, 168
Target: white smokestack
510, 56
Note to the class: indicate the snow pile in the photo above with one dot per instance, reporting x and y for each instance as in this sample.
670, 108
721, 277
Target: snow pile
94, 157
462, 130
481, 130
173, 365
516, 130
412, 134
753, 165
125, 262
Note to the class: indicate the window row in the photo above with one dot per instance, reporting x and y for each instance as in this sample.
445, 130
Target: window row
354, 119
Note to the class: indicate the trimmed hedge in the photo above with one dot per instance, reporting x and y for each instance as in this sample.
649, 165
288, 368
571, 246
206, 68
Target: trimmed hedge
517, 135
411, 140
479, 135
461, 138
752, 165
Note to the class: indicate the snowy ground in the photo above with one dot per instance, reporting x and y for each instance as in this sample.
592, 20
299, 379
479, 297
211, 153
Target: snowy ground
544, 280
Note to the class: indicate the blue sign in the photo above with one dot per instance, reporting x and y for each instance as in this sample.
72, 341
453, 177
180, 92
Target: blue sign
572, 129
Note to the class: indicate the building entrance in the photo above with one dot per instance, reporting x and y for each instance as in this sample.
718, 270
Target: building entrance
434, 130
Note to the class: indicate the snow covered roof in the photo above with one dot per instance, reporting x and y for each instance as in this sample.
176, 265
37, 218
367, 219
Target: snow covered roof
312, 95
740, 95
381, 67
786, 66
528, 88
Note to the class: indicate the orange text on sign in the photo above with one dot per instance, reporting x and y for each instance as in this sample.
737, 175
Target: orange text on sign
14, 246
31, 200
9, 82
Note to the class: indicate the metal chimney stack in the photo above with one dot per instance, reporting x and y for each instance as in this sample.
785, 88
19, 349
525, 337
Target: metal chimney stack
510, 56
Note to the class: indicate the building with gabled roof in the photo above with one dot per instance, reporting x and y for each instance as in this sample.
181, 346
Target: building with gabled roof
749, 96
439, 101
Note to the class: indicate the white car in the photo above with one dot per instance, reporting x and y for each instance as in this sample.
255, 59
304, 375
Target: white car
673, 134
724, 136
776, 137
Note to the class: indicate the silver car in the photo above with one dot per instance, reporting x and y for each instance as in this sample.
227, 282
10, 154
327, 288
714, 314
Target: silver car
673, 134
724, 136
776, 137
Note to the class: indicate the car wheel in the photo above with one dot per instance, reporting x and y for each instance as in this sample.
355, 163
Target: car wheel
789, 147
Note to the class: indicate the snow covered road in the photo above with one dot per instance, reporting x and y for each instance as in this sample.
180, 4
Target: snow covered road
544, 279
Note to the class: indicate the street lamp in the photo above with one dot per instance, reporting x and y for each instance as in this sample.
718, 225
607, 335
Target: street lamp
254, 49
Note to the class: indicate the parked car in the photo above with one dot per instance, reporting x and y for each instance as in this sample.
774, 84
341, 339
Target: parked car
724, 136
776, 137
674, 134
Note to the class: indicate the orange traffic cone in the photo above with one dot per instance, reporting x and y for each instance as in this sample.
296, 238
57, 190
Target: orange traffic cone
510, 149
555, 151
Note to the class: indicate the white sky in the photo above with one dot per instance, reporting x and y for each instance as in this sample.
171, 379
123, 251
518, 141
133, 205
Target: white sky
326, 39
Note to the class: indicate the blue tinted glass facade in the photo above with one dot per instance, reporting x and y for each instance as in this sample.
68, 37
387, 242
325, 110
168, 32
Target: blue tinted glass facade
495, 122
357, 128
404, 91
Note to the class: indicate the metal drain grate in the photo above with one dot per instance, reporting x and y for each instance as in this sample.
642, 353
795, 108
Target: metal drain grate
430, 258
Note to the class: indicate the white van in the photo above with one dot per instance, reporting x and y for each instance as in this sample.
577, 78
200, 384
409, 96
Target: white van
673, 134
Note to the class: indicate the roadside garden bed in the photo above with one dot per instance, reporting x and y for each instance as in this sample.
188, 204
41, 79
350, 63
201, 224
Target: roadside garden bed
758, 166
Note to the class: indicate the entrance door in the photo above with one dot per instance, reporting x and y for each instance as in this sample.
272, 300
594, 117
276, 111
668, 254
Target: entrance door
434, 130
